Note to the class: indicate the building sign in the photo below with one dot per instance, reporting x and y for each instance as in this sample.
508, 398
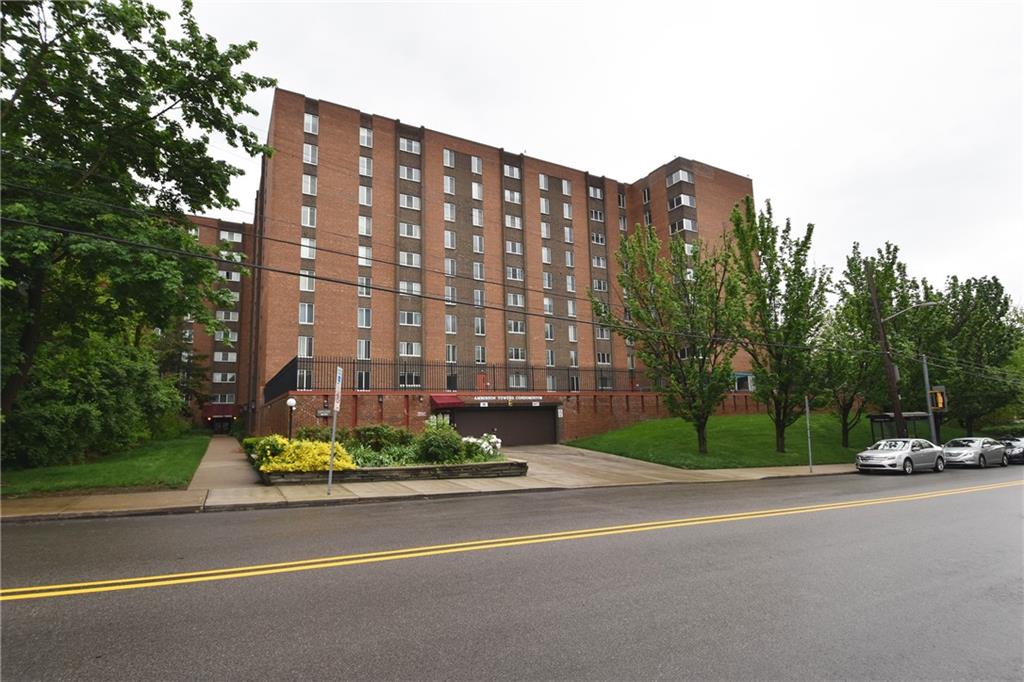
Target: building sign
509, 398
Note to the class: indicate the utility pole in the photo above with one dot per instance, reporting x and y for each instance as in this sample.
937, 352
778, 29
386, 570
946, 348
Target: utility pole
928, 399
890, 370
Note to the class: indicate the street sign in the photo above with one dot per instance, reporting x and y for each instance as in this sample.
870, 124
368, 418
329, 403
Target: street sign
337, 390
937, 399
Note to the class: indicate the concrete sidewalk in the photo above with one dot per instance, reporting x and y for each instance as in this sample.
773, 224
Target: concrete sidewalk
225, 481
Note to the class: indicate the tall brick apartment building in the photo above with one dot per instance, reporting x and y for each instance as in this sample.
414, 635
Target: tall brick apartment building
446, 275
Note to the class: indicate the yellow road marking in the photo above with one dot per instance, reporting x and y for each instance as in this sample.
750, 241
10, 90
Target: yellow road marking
118, 584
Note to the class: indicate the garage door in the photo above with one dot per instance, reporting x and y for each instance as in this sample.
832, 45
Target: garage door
513, 425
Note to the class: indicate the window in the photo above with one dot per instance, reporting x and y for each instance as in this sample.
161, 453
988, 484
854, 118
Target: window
365, 256
309, 184
409, 259
515, 248
516, 326
306, 281
513, 197
479, 355
514, 274
450, 353
543, 180
307, 248
515, 300
516, 380
600, 285
410, 318
566, 187
231, 256
449, 239
409, 379
310, 124
310, 154
448, 158
449, 266
647, 195
365, 225
478, 270
574, 361
549, 306
477, 164
511, 172
366, 166
450, 297
678, 176
234, 295
407, 145
366, 137
622, 200
304, 379
603, 334
409, 349
545, 254
551, 382
567, 211
681, 200
233, 237
513, 221
449, 184
409, 288
599, 262
630, 362
231, 336
365, 196
545, 230
362, 380
570, 308
478, 191
363, 287
224, 398
305, 346
230, 275
572, 333
451, 324
570, 283
305, 313
689, 249
232, 356
478, 217
478, 243
549, 331
548, 279
567, 234
449, 212
604, 358
570, 259
647, 217
410, 230
684, 225
597, 216
622, 223
597, 237
478, 297
309, 216
409, 201
409, 173
479, 328
516, 353
363, 318
224, 377
595, 192
545, 206
362, 349
549, 359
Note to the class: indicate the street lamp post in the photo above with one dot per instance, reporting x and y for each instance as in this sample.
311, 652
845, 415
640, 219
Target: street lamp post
291, 413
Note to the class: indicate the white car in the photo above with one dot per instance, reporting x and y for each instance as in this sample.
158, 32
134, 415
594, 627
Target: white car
901, 454
979, 452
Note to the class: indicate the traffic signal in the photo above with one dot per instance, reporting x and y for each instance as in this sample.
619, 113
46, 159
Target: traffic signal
937, 398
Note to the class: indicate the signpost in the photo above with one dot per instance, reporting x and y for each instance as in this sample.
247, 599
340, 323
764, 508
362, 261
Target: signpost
334, 426
807, 413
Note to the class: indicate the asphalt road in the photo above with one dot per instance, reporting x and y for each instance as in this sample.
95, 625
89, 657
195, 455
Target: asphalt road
924, 588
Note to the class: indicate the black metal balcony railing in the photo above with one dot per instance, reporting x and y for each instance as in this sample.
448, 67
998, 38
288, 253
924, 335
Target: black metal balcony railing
317, 374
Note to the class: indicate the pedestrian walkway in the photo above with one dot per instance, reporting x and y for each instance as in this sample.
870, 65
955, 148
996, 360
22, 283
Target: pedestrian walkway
224, 481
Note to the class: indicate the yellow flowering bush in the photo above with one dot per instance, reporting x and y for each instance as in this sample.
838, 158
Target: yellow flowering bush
306, 455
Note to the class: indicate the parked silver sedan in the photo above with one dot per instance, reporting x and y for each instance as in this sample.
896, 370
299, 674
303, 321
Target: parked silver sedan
979, 452
901, 454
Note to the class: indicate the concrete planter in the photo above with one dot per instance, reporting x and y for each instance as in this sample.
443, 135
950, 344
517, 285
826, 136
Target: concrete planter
509, 467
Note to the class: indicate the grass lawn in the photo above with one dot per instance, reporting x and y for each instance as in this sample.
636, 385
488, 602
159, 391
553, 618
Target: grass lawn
157, 464
736, 441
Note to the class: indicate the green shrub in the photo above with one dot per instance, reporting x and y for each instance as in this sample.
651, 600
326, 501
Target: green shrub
321, 433
238, 428
268, 447
249, 444
305, 455
391, 456
380, 436
439, 442
170, 425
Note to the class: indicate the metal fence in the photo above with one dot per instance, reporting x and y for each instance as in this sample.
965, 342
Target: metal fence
318, 374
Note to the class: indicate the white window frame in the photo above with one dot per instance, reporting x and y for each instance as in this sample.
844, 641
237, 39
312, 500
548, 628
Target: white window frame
310, 123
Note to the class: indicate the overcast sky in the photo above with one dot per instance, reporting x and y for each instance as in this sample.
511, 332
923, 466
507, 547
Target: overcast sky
892, 121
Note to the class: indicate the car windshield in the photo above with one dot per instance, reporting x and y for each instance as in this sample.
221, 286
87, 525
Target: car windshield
963, 443
889, 445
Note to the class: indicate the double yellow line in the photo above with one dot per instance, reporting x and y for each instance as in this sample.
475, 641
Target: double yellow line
118, 584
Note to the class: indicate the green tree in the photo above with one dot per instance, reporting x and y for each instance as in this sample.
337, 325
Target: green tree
681, 313
106, 127
785, 306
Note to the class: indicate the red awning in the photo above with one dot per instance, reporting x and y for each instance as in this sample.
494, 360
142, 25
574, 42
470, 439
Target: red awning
215, 410
446, 400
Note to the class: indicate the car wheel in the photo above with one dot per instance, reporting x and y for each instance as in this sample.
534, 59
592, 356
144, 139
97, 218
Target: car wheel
981, 462
940, 465
1006, 460
908, 466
